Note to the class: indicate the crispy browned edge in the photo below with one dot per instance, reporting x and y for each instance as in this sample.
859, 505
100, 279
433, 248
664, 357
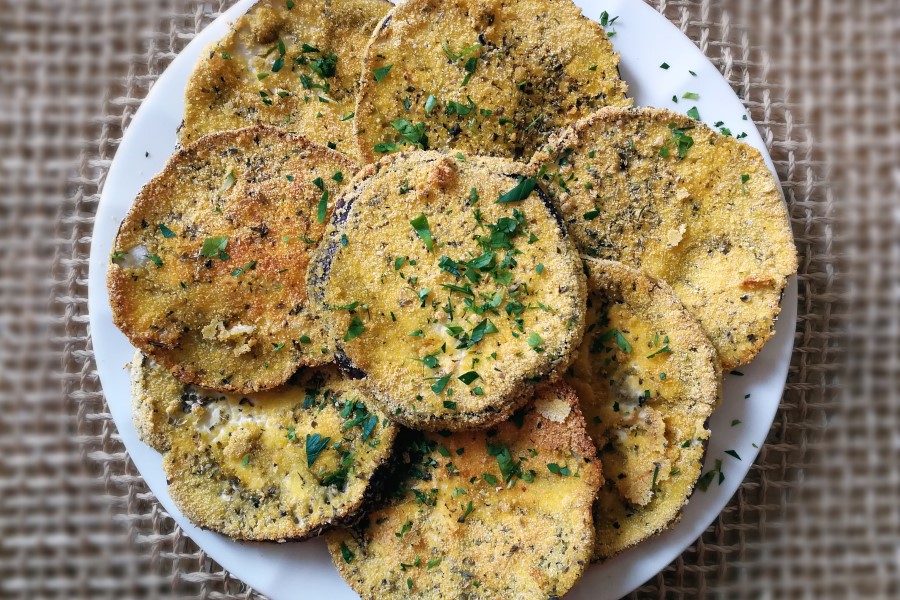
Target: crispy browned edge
150, 190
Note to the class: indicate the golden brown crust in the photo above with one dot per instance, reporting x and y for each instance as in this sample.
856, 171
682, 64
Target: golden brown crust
481, 515
240, 465
224, 91
711, 223
207, 275
648, 379
533, 67
454, 335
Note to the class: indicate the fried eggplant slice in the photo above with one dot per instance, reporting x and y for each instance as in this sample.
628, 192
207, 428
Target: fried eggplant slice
208, 270
273, 466
503, 513
665, 193
491, 77
648, 379
451, 285
293, 65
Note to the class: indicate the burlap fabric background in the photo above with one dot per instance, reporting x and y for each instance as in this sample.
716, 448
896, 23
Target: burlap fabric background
819, 515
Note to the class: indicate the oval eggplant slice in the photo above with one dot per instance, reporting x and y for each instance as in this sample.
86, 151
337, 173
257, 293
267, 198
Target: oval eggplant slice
207, 274
484, 77
274, 466
648, 379
503, 513
292, 65
450, 284
662, 192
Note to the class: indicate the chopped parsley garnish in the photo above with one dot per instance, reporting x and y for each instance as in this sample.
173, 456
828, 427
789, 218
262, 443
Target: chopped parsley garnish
382, 72
440, 385
682, 140
535, 341
557, 470
348, 116
430, 103
468, 511
277, 347
346, 553
355, 330
338, 176
508, 468
168, 233
733, 453
691, 96
325, 66
457, 108
664, 66
470, 66
489, 479
315, 443
591, 215
694, 113
420, 224
522, 190
289, 4
156, 260
245, 460
240, 271
411, 134
385, 147
449, 404
539, 268
736, 422
213, 247
322, 207
225, 55
468, 377
662, 350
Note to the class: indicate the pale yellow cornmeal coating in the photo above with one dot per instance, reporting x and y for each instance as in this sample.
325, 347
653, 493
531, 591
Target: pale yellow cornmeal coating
648, 379
375, 272
465, 527
539, 65
235, 317
238, 465
712, 224
225, 90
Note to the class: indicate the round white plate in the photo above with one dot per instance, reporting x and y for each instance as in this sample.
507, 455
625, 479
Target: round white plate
645, 40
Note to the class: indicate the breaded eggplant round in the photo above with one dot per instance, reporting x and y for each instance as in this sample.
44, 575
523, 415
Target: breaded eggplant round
701, 210
451, 285
497, 514
293, 65
273, 466
208, 270
490, 77
648, 379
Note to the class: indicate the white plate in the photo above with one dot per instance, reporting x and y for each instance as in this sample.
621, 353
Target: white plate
645, 39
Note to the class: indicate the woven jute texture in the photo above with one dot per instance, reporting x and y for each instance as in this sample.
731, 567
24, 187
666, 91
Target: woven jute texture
819, 514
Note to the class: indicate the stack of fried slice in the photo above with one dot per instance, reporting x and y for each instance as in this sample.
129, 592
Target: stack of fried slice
434, 356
